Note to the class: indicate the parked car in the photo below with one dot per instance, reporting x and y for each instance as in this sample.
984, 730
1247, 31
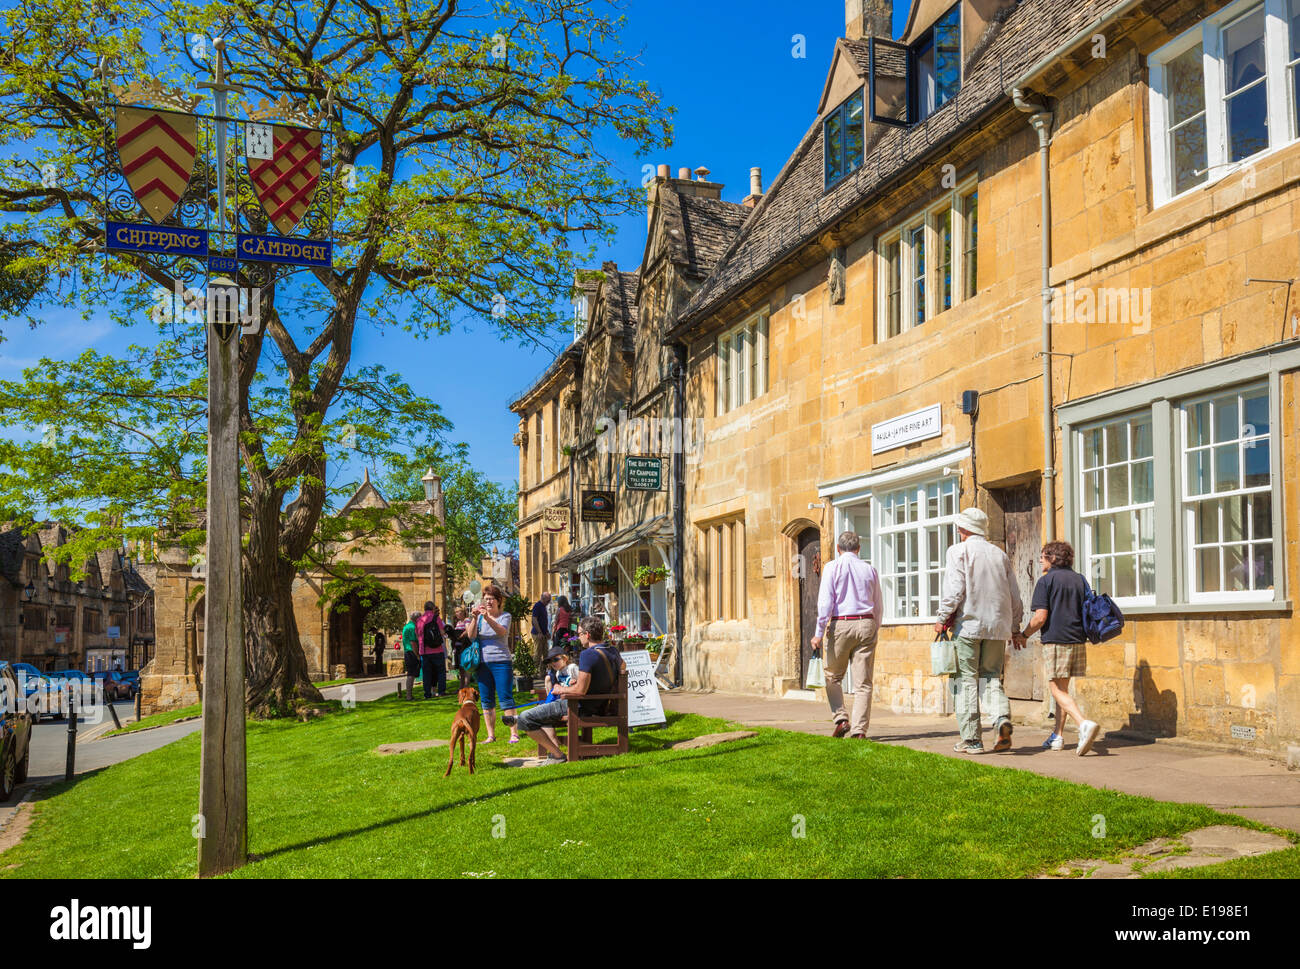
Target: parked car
44, 692
115, 685
16, 744
134, 677
79, 678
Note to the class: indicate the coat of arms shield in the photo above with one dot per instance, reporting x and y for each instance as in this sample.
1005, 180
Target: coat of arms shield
157, 149
286, 182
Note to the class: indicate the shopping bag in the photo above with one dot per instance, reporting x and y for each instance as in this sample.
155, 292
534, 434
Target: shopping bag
943, 655
816, 678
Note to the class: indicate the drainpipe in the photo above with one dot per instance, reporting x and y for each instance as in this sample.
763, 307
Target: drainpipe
1040, 118
678, 372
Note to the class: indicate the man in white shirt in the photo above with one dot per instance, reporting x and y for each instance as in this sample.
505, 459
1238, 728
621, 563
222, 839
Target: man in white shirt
848, 619
981, 599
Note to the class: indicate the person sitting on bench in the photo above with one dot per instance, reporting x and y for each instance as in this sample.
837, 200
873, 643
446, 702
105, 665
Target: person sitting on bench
598, 666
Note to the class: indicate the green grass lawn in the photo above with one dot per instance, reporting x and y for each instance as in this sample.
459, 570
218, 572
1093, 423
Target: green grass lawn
159, 719
324, 683
322, 804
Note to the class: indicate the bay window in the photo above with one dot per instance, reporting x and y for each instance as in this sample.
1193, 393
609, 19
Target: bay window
1173, 490
1224, 92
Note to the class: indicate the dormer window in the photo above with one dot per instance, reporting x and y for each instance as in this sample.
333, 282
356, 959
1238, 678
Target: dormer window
843, 140
908, 84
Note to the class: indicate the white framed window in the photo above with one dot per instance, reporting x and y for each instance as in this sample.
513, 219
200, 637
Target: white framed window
927, 264
915, 525
1118, 508
742, 358
1174, 489
1223, 93
1228, 495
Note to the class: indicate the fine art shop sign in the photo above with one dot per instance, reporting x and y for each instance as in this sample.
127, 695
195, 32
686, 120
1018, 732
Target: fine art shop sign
919, 425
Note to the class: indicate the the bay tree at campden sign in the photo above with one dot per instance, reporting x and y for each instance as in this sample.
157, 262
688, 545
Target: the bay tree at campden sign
644, 474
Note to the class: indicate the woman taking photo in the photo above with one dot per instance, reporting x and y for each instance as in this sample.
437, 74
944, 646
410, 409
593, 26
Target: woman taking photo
496, 685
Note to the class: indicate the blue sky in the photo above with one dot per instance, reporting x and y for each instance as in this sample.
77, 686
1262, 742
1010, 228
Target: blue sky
742, 99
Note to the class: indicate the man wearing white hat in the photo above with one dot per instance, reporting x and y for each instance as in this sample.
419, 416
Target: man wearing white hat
981, 598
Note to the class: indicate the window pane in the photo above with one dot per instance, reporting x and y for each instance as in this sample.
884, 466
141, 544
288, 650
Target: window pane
943, 230
1294, 17
894, 264
917, 241
1116, 443
1261, 515
834, 147
1207, 522
1146, 523
1124, 537
1235, 568
1146, 575
1125, 575
1117, 486
1255, 410
925, 81
1255, 451
1102, 535
1262, 566
854, 133
1227, 475
970, 215
1186, 74
1142, 439
1207, 579
1198, 473
1198, 424
1186, 93
1092, 448
947, 57
1226, 427
1144, 487
1234, 519
1247, 107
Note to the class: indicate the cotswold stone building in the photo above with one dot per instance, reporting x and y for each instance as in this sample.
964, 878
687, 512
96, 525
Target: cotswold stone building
101, 621
1038, 257
601, 431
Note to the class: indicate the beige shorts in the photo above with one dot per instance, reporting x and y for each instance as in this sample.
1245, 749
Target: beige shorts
1064, 661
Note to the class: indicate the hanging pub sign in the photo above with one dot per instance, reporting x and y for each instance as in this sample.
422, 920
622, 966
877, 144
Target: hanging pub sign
598, 506
555, 518
644, 474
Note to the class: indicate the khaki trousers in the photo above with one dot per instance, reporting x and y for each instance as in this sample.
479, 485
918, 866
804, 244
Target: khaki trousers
850, 641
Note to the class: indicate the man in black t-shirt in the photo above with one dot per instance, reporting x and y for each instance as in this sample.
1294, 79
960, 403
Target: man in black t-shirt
1058, 611
598, 667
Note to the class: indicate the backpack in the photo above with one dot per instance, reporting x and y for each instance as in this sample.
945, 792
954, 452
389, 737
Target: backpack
1102, 619
432, 636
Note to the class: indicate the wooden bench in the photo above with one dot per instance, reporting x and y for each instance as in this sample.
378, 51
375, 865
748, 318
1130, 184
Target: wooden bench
578, 742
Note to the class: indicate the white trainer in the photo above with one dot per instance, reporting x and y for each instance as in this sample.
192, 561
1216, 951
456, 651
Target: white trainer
1087, 734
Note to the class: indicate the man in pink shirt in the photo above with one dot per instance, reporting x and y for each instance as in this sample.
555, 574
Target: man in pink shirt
848, 619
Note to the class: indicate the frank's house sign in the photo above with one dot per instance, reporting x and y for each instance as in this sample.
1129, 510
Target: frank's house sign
919, 425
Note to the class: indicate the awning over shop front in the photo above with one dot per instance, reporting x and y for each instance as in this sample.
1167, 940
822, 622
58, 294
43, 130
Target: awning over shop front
602, 550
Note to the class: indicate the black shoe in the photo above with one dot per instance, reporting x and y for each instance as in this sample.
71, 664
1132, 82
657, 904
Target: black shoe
509, 721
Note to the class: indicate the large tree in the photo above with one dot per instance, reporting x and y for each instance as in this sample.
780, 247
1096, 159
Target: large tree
478, 133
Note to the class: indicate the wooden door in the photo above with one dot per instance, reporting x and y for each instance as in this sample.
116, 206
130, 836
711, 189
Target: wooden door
809, 543
1022, 511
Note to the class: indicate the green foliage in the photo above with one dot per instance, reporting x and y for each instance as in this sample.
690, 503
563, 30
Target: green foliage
646, 575
482, 183
388, 615
525, 661
480, 512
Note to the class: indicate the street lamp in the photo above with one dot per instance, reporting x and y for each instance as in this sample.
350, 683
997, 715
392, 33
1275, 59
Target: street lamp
29, 591
432, 487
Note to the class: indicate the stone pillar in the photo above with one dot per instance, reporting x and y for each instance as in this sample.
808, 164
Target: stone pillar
169, 680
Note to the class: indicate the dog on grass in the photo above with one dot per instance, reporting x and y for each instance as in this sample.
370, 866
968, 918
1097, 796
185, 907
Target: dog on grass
465, 725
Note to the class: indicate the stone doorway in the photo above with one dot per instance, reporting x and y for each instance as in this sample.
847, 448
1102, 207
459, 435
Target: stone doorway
354, 617
1022, 525
808, 562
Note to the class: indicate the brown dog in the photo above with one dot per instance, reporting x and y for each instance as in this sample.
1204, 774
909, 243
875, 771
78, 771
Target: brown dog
465, 725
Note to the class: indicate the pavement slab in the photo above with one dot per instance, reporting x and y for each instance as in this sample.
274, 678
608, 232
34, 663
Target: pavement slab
385, 750
1251, 787
713, 739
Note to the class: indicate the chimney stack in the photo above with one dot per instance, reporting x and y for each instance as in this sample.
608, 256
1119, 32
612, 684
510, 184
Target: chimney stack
701, 174
663, 171
684, 173
755, 188
868, 18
